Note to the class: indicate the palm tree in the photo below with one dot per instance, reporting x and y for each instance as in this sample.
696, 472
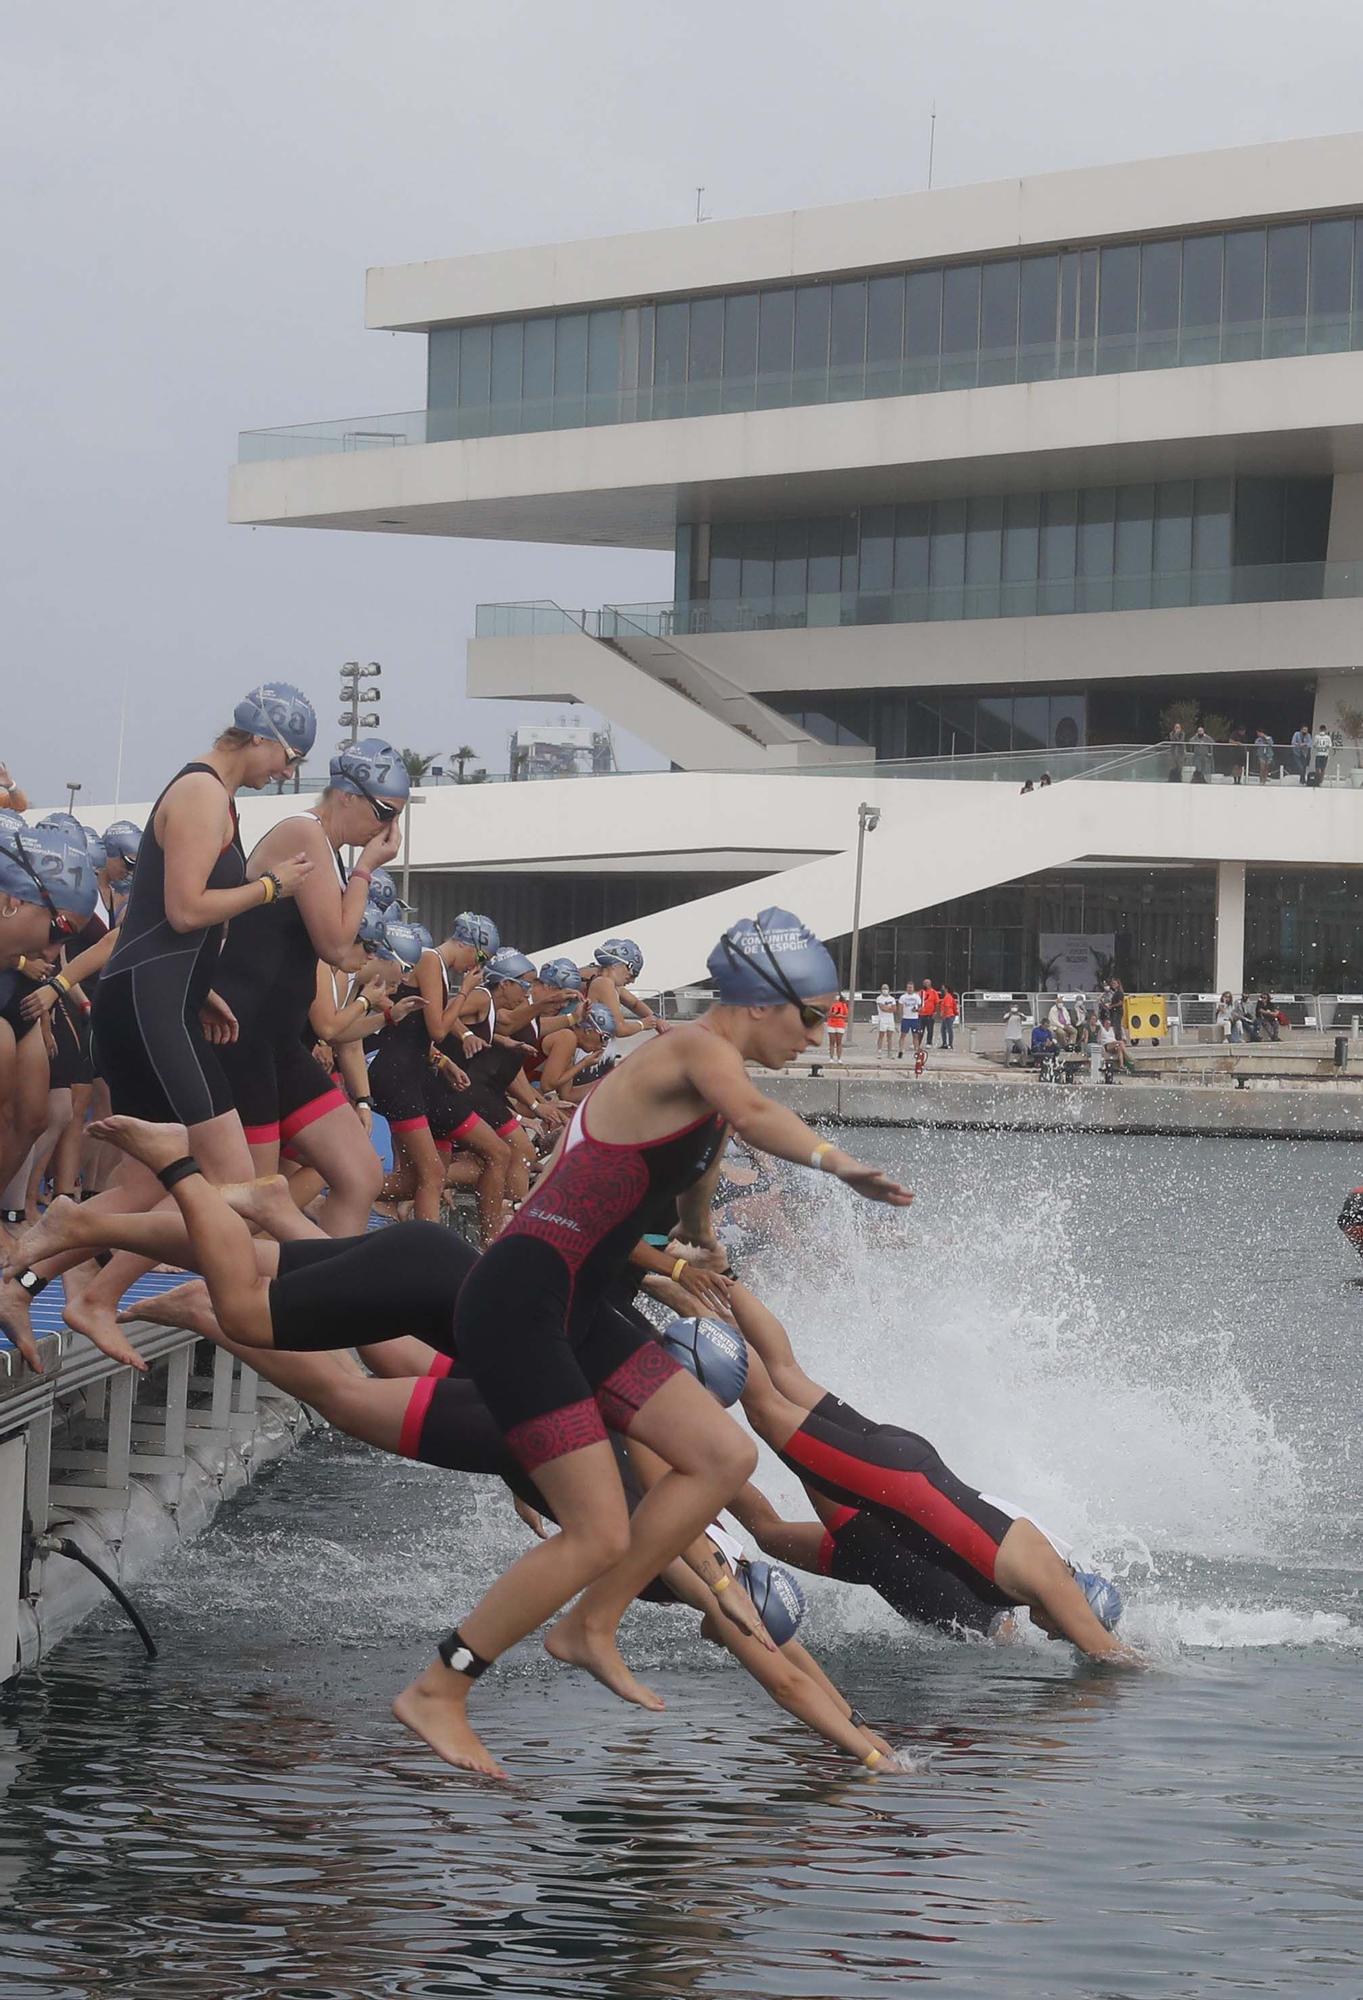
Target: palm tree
459, 758
418, 763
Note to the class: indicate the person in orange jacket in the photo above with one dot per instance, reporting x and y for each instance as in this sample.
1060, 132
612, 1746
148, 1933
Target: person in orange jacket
928, 1009
948, 1007
837, 1026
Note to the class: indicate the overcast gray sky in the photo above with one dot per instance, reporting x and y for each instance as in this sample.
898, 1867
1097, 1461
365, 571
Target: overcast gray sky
192, 193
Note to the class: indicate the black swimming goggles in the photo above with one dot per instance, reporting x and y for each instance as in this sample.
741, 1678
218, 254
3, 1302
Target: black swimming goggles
810, 1016
63, 925
384, 814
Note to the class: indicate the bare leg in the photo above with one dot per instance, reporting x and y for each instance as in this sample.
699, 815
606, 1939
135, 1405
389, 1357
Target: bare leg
583, 1488
46, 1144
418, 1151
337, 1146
709, 1460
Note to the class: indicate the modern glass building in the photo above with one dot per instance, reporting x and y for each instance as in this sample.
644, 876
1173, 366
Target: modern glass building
1018, 470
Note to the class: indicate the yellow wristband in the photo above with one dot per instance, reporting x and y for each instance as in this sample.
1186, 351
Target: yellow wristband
267, 884
61, 982
677, 1270
723, 1583
816, 1157
869, 1763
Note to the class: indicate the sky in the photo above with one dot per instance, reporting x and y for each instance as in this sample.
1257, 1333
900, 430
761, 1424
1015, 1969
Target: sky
192, 194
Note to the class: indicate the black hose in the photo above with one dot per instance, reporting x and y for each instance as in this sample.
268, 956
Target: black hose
62, 1545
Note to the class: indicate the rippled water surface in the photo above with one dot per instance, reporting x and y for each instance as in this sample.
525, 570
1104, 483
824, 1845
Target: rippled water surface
1152, 1345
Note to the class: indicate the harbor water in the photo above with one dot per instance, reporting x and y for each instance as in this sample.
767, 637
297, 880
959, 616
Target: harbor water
1153, 1345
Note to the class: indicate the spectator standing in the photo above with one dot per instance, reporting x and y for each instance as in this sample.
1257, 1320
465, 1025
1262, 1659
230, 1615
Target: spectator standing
885, 1022
837, 1027
1264, 747
1239, 742
928, 1003
1178, 754
1325, 743
1015, 1034
910, 1017
948, 1007
1203, 754
1301, 752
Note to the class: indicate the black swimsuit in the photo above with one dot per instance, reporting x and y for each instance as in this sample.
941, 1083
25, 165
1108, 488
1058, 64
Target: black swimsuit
530, 1327
148, 1044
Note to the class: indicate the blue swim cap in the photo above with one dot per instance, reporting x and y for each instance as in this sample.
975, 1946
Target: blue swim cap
401, 941
371, 926
778, 1597
423, 931
48, 865
59, 822
383, 890
278, 710
95, 848
471, 928
67, 824
123, 838
370, 769
714, 1353
509, 964
1105, 1600
620, 951
770, 960
11, 821
561, 972
600, 1017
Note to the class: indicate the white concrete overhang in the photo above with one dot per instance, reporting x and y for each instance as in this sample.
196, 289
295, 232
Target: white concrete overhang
627, 485
1143, 197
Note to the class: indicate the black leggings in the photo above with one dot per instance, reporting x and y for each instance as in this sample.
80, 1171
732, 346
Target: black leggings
353, 1291
862, 1547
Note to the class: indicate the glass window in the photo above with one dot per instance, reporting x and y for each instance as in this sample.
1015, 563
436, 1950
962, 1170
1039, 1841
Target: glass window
1212, 505
811, 343
1258, 522
912, 541
960, 326
1285, 327
1059, 535
884, 335
1332, 246
669, 358
923, 330
1242, 338
475, 361
726, 553
847, 346
1031, 722
999, 322
442, 371
740, 350
1306, 519
1068, 721
994, 722
506, 362
983, 557
946, 560
603, 367
1118, 286
1135, 547
1021, 553
775, 346
759, 552
1037, 317
703, 362
1173, 541
1085, 354
646, 321
876, 570
791, 583
1161, 267
537, 372
570, 370
1201, 316
825, 556
1097, 528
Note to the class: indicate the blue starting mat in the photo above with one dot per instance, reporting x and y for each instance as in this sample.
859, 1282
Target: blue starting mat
47, 1308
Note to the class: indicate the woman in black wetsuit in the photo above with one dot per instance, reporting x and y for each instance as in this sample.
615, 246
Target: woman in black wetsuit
267, 975
157, 1020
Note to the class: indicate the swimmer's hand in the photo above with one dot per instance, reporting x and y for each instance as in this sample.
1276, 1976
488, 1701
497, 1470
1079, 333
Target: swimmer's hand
402, 1008
532, 1520
709, 1290
867, 1181
740, 1610
217, 1020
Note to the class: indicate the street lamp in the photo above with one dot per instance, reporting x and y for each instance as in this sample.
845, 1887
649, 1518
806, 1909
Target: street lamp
352, 673
71, 790
868, 819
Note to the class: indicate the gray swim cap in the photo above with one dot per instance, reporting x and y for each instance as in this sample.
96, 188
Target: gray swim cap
778, 1597
620, 951
279, 710
770, 960
383, 890
600, 1017
51, 867
469, 927
401, 941
123, 838
509, 964
371, 769
370, 931
561, 972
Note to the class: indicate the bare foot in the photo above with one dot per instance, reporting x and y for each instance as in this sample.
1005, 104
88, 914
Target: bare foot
573, 1642
54, 1232
187, 1306
17, 1322
156, 1146
261, 1202
434, 1708
97, 1319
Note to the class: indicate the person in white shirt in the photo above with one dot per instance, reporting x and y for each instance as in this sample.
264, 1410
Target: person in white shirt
910, 1017
1325, 743
1060, 1025
1015, 1034
885, 1022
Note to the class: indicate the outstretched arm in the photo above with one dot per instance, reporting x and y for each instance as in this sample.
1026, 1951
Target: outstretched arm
765, 1334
